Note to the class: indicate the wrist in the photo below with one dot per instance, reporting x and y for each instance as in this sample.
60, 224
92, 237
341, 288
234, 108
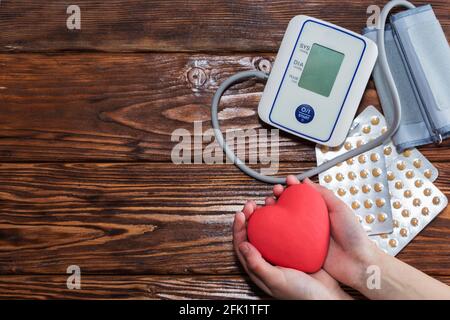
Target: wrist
368, 264
379, 274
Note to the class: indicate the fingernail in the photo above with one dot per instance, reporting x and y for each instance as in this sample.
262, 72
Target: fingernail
244, 248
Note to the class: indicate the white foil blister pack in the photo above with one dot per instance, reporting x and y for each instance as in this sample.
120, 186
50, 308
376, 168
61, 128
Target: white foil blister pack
361, 182
371, 123
415, 201
394, 191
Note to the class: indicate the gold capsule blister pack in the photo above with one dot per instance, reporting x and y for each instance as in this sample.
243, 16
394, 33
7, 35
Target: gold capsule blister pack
372, 123
361, 182
414, 200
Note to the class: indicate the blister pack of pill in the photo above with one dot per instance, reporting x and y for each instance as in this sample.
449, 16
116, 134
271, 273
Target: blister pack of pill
371, 123
413, 199
361, 182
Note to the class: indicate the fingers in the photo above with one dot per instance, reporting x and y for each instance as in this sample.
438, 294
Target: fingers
249, 207
270, 201
239, 237
291, 180
278, 190
256, 265
239, 230
332, 201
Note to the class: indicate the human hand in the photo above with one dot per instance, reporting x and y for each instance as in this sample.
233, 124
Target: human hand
349, 254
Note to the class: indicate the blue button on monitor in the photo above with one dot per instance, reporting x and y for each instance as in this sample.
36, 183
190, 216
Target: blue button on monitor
304, 113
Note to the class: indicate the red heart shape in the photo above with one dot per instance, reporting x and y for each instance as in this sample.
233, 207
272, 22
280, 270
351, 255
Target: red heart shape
294, 232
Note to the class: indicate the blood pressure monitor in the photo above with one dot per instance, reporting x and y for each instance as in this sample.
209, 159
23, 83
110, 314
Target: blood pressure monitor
317, 80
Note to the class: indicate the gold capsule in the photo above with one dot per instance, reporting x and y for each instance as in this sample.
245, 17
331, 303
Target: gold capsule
427, 192
393, 243
347, 146
375, 120
365, 188
354, 190
401, 165
403, 232
383, 130
339, 164
355, 205
364, 174
351, 175
390, 175
341, 192
414, 222
370, 218
350, 161
417, 202
407, 153
417, 163
376, 172
436, 201
387, 151
368, 204
405, 213
378, 187
425, 211
382, 217
395, 223
366, 129
374, 157
397, 205
339, 177
427, 173
380, 202
418, 183
359, 143
407, 194
324, 149
398, 185
362, 159
327, 178
409, 174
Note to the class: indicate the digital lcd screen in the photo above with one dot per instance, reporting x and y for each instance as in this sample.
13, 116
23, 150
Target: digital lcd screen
321, 70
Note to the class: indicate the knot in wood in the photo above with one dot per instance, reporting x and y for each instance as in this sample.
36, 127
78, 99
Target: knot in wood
197, 77
264, 65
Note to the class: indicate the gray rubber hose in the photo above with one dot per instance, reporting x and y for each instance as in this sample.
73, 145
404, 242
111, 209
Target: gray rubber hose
241, 76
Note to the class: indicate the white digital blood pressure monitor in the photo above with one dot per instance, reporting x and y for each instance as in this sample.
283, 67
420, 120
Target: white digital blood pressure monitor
317, 80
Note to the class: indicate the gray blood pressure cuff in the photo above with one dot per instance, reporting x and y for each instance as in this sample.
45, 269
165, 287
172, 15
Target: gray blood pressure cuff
419, 57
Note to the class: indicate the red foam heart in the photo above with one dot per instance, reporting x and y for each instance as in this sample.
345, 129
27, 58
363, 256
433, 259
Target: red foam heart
294, 232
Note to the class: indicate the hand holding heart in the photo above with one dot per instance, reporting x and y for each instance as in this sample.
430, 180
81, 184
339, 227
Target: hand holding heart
349, 248
295, 231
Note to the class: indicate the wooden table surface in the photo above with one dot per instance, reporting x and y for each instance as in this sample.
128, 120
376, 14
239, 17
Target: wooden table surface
86, 117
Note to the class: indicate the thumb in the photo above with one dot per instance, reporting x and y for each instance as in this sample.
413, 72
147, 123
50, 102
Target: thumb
333, 203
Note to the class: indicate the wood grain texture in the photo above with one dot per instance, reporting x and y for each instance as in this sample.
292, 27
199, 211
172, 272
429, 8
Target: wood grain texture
148, 218
129, 287
149, 287
177, 25
86, 119
97, 107
138, 287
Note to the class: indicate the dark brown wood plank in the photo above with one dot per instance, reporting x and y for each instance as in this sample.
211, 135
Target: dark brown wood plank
177, 25
146, 218
97, 107
138, 287
129, 287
